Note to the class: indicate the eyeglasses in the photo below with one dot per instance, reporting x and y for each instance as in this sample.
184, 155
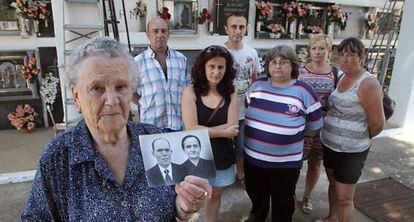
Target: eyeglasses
281, 63
214, 48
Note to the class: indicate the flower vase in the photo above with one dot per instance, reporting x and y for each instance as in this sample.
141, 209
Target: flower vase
300, 28
337, 32
292, 28
331, 29
23, 32
210, 27
31, 84
36, 25
25, 130
27, 25
258, 26
272, 35
278, 35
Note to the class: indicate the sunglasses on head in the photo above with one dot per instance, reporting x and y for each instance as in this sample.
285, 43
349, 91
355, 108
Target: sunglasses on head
215, 48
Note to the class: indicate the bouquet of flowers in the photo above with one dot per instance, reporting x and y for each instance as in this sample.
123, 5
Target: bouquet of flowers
337, 15
370, 21
276, 28
289, 12
263, 9
31, 71
48, 89
35, 9
204, 16
316, 29
165, 14
23, 118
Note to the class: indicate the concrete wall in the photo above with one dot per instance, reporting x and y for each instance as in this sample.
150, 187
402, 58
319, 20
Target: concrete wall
402, 82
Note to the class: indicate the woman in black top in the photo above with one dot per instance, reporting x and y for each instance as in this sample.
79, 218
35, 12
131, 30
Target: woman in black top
212, 89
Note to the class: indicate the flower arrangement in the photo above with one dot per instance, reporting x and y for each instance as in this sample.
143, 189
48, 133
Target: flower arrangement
263, 9
31, 71
204, 16
165, 14
288, 12
312, 29
276, 28
48, 89
34, 9
337, 15
370, 21
23, 118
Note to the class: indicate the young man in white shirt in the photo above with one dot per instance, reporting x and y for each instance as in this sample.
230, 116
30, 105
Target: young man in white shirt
248, 66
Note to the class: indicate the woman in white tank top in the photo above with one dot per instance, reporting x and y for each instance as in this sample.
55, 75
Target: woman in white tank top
355, 116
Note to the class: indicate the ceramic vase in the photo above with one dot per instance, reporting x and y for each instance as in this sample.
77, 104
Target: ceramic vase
292, 28
331, 29
36, 25
258, 26
32, 85
23, 32
25, 130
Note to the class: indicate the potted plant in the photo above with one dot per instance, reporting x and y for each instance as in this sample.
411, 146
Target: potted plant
24, 118
30, 73
276, 30
30, 9
263, 10
370, 24
337, 17
313, 30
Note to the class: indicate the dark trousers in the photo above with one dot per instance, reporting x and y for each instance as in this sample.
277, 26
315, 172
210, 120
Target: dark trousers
277, 185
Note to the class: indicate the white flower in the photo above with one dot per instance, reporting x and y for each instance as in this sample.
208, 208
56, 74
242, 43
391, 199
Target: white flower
48, 88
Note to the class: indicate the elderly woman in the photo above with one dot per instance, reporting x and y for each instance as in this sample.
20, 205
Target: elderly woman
355, 116
94, 171
211, 103
321, 77
279, 109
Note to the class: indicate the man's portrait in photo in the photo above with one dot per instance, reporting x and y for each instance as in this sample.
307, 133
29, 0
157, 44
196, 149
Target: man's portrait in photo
196, 165
170, 157
164, 172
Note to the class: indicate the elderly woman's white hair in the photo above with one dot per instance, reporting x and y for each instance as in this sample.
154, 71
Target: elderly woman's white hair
104, 47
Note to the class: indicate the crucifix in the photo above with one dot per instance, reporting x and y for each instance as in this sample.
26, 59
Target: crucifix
217, 12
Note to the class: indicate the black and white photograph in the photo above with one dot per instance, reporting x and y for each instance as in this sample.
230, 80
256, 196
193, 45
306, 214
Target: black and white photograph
170, 157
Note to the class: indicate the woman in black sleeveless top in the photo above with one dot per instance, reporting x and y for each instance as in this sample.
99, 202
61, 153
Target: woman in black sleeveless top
212, 89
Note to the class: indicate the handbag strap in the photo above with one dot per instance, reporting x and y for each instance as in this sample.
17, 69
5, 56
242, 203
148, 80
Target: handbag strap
214, 112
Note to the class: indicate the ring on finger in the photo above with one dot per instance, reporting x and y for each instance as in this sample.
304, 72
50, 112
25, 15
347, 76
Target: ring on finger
203, 195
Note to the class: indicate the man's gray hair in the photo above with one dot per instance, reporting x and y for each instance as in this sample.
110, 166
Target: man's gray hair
104, 47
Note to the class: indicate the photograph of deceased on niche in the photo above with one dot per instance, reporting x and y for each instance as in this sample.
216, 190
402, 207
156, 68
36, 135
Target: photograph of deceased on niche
183, 15
170, 157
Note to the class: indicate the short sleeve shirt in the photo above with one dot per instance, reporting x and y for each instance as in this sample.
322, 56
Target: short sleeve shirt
160, 98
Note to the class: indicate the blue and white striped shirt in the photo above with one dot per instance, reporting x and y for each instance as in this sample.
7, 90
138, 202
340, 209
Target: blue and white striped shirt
275, 122
160, 99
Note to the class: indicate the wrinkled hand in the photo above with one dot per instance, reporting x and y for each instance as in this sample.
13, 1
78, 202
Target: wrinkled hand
191, 195
232, 131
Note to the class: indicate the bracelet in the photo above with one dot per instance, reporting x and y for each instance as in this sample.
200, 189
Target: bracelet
186, 212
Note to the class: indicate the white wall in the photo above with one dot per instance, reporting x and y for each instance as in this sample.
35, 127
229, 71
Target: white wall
402, 82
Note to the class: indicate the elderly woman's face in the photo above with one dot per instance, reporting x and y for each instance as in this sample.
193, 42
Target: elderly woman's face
280, 70
104, 93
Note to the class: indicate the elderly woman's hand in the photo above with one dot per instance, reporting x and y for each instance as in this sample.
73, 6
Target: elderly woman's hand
191, 194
